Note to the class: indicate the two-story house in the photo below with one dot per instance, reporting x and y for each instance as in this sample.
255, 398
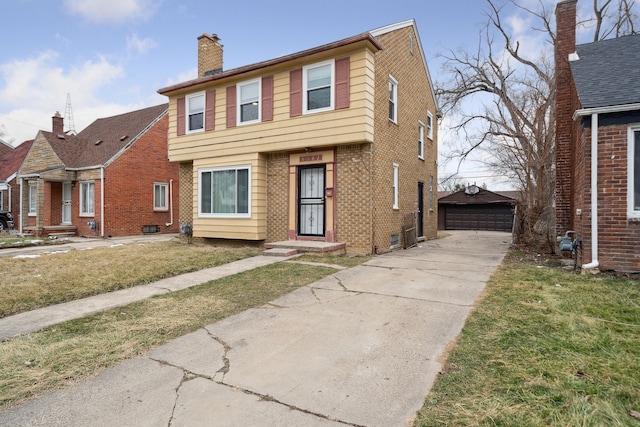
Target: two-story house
598, 145
112, 179
337, 143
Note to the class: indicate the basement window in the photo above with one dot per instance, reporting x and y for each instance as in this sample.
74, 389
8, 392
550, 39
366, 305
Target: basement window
150, 229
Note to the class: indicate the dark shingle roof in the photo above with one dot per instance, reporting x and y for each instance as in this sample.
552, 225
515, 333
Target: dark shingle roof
608, 72
102, 139
11, 162
481, 197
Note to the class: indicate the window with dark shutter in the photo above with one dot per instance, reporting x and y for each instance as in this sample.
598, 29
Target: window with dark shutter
180, 124
267, 98
342, 83
210, 110
295, 92
231, 106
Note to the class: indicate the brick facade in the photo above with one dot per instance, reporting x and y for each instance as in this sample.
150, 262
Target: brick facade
618, 235
277, 196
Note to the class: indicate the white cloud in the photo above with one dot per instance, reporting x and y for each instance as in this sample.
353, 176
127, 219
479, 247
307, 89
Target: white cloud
136, 44
113, 11
35, 88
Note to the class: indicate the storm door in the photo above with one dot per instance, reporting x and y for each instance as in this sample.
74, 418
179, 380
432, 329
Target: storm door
66, 203
311, 206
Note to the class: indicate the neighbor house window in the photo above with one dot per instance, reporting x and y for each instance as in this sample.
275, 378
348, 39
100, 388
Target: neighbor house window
393, 99
195, 112
87, 198
225, 192
248, 94
429, 125
395, 185
421, 140
318, 87
160, 197
634, 173
33, 193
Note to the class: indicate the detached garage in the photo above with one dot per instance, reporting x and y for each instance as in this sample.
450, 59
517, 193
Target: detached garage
475, 208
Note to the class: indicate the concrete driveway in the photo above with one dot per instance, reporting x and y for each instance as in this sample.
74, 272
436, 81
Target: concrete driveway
361, 347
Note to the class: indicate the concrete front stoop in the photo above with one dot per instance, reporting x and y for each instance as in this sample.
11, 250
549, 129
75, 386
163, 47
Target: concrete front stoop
292, 247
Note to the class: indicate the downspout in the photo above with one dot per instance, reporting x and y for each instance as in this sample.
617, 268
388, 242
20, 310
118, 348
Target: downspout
170, 223
102, 202
594, 194
21, 212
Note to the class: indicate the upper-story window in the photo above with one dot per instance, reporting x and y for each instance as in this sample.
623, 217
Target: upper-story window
249, 101
421, 140
195, 112
393, 99
318, 87
429, 125
633, 193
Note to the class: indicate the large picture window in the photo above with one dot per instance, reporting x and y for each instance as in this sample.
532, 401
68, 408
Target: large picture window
249, 102
633, 180
87, 190
318, 87
225, 192
195, 112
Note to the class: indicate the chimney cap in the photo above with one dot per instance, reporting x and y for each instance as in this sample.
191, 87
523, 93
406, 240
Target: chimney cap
212, 37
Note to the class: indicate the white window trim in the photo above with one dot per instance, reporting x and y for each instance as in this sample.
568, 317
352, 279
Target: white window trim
32, 190
430, 125
421, 128
186, 108
87, 214
224, 215
396, 168
238, 104
332, 88
165, 205
394, 82
631, 212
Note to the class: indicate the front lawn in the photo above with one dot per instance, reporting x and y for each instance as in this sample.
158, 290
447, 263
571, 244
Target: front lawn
544, 347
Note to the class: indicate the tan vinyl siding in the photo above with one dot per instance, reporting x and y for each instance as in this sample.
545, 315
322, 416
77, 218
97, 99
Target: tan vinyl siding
354, 124
253, 228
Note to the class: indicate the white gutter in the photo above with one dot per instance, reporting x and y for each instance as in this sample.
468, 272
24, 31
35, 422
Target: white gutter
604, 110
102, 201
594, 194
170, 223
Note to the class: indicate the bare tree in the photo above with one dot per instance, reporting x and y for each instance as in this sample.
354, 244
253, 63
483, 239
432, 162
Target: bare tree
512, 96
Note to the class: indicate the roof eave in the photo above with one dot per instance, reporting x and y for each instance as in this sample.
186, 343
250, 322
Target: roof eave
367, 37
605, 110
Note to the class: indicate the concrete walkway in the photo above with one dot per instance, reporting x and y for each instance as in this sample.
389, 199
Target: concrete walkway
360, 347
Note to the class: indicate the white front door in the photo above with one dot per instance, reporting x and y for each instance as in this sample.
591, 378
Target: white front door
66, 203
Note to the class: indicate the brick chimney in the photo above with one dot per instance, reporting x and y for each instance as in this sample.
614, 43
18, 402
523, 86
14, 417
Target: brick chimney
566, 104
209, 55
58, 124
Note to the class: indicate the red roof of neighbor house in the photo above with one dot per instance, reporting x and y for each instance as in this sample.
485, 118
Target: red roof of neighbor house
104, 138
481, 197
5, 147
11, 161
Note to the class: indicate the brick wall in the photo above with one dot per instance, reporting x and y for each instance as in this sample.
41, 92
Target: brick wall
353, 196
566, 104
618, 236
398, 143
277, 196
129, 186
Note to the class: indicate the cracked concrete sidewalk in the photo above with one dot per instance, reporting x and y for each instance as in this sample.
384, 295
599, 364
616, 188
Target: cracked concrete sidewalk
361, 347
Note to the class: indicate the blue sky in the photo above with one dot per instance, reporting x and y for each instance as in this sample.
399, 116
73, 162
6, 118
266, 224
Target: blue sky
111, 56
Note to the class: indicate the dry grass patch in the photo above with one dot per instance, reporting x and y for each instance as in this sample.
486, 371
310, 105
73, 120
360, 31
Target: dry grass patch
67, 353
56, 277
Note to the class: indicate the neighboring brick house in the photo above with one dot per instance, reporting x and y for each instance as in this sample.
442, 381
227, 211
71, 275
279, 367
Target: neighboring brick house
111, 179
337, 143
598, 111
10, 162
